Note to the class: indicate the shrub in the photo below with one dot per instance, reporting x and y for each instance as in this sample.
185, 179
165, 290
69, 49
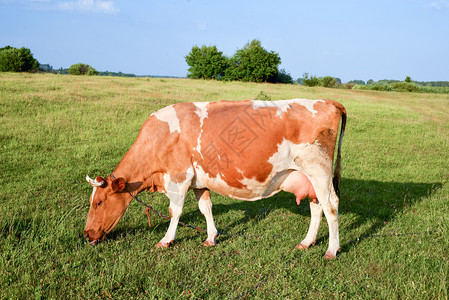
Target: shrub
312, 81
263, 96
328, 82
375, 87
348, 86
82, 69
405, 86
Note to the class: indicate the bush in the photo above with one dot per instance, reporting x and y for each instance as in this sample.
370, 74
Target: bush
375, 87
82, 69
312, 81
348, 86
17, 60
406, 86
357, 81
328, 82
263, 96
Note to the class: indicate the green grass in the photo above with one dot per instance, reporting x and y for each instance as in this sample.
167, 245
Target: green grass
394, 208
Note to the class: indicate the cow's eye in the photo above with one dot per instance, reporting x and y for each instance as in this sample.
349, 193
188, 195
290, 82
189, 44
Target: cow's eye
99, 203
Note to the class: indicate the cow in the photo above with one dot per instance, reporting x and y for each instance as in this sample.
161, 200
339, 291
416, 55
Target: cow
246, 150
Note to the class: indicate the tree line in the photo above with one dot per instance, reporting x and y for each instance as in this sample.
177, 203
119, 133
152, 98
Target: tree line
251, 63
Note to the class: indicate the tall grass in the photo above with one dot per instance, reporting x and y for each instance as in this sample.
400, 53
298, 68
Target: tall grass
393, 209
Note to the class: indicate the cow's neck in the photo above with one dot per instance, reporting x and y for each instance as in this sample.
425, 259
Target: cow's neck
135, 169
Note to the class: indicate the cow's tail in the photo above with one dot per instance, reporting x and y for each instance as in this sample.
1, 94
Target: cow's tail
338, 168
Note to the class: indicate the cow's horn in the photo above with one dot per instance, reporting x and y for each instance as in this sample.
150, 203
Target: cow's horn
94, 182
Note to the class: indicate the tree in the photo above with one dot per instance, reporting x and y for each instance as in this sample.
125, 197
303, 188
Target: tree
92, 72
253, 63
328, 82
82, 69
370, 81
284, 77
206, 63
17, 60
356, 81
408, 79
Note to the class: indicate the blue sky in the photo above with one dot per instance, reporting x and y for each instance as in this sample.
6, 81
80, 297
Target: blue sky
355, 39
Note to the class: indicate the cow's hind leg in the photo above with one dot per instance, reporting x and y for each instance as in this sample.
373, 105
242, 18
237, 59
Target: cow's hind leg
316, 212
205, 205
329, 203
318, 168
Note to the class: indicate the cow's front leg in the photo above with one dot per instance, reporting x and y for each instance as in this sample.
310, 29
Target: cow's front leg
176, 205
205, 205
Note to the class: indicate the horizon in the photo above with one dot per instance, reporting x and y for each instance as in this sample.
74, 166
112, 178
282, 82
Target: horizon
347, 40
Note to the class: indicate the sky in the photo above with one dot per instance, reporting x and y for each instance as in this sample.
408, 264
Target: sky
354, 39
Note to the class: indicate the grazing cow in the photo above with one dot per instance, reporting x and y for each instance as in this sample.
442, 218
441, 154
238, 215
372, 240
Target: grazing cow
245, 150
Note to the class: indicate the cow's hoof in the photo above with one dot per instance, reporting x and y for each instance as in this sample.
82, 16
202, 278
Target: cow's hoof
209, 243
301, 246
330, 255
164, 245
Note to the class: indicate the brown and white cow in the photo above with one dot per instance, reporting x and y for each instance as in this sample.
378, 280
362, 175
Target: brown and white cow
245, 150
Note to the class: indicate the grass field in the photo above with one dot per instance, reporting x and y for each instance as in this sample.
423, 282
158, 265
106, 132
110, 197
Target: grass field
394, 207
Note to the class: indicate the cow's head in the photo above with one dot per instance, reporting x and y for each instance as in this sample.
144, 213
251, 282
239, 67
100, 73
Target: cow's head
108, 203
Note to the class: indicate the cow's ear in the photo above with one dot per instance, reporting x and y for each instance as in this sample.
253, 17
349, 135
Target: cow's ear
118, 185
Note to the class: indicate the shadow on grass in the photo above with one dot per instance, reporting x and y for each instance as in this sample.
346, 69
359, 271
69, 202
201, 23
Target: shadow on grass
368, 202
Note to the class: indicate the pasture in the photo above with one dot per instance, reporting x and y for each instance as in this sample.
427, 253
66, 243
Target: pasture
393, 214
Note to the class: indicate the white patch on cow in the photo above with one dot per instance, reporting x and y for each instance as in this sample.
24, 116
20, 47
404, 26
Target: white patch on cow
308, 104
201, 111
168, 114
283, 106
283, 159
92, 196
175, 187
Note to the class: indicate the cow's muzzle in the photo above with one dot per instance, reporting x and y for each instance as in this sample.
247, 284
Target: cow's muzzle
90, 235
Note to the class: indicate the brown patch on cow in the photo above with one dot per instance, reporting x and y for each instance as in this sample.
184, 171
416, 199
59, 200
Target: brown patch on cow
156, 182
332, 210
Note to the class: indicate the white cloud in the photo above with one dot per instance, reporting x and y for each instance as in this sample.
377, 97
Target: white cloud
97, 6
439, 4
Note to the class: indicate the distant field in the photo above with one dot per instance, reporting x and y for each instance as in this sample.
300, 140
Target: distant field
394, 207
